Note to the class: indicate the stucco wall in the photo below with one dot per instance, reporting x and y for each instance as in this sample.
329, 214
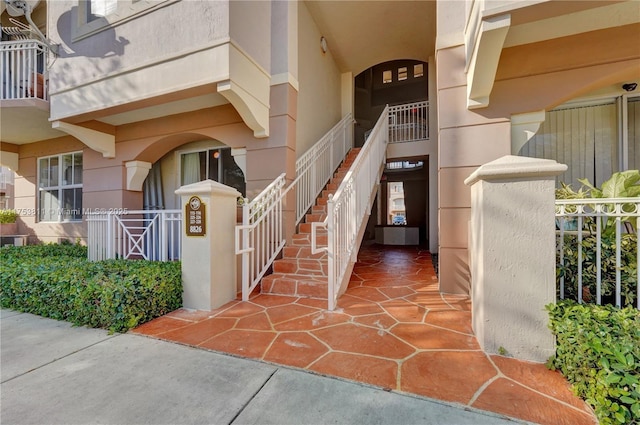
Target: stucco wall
176, 28
250, 28
530, 77
26, 189
319, 99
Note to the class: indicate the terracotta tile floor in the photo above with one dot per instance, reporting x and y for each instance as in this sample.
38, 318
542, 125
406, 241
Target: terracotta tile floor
392, 329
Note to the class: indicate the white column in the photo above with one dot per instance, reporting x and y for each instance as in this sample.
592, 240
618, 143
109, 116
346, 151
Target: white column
208, 244
512, 255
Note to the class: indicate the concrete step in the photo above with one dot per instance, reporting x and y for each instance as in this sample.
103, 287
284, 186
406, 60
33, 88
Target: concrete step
302, 252
301, 266
304, 239
300, 273
304, 228
314, 217
295, 285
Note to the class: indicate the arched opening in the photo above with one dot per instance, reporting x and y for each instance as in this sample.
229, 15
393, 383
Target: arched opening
389, 83
187, 164
400, 215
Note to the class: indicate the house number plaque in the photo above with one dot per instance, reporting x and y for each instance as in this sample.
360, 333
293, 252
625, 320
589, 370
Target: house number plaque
195, 215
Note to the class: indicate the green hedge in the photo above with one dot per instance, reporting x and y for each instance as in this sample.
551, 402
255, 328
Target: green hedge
57, 281
598, 351
8, 216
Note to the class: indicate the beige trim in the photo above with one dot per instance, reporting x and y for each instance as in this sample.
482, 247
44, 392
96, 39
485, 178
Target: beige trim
516, 167
137, 171
9, 159
98, 141
523, 128
285, 78
484, 60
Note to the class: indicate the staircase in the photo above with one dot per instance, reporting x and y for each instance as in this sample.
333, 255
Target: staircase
300, 273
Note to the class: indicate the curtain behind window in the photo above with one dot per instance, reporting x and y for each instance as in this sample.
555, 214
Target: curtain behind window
584, 138
190, 168
634, 133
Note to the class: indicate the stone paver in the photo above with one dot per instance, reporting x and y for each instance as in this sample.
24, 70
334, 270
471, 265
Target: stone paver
392, 329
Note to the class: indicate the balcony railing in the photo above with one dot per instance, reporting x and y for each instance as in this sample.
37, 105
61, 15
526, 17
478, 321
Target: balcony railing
22, 70
597, 246
409, 122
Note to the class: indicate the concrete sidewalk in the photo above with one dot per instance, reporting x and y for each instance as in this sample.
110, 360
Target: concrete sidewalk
53, 373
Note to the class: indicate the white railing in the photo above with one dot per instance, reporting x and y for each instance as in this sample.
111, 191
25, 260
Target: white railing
317, 165
22, 65
598, 253
260, 237
348, 207
153, 235
409, 122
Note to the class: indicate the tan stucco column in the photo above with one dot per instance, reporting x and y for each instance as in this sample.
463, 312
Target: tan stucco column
512, 255
208, 244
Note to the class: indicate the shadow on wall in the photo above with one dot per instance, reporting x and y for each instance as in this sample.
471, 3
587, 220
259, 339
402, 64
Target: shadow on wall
109, 45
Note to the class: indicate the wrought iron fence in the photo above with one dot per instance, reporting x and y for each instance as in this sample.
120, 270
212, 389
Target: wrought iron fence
597, 250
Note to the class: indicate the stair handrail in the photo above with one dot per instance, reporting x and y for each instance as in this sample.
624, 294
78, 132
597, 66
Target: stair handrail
315, 168
348, 207
260, 237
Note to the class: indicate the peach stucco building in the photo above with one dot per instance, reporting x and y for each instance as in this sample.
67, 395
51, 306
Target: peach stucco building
126, 101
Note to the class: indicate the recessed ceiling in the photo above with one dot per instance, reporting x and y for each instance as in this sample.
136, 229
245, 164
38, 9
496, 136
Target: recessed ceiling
361, 34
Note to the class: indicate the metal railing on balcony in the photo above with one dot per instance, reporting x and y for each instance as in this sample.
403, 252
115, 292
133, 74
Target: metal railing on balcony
260, 237
153, 235
348, 207
22, 65
409, 122
597, 250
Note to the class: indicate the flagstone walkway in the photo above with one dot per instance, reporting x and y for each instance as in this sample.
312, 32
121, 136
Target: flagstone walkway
392, 329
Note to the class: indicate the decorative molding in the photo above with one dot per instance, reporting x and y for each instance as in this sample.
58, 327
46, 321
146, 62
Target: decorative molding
524, 127
253, 112
9, 159
240, 157
137, 172
285, 78
98, 141
484, 60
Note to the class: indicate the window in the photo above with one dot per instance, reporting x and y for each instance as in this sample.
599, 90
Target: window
387, 77
402, 73
418, 70
60, 187
588, 138
100, 8
215, 164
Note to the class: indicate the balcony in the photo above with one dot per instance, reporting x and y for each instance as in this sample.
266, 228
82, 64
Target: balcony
22, 64
24, 97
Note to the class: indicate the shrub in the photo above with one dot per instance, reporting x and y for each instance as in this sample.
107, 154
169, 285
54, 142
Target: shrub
57, 281
608, 269
624, 184
598, 351
8, 216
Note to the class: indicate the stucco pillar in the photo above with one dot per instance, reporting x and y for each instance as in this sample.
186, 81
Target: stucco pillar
208, 244
512, 255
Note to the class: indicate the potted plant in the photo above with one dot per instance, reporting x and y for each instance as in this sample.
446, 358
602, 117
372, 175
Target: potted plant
8, 224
